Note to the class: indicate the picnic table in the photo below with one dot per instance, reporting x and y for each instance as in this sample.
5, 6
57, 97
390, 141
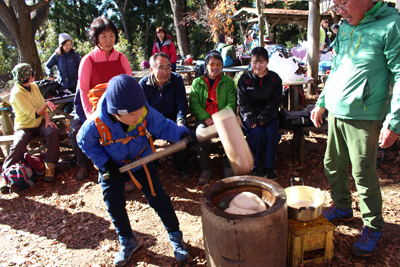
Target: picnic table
188, 70
293, 99
139, 74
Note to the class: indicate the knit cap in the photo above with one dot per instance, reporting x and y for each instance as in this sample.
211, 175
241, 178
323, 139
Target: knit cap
215, 54
22, 72
62, 37
124, 95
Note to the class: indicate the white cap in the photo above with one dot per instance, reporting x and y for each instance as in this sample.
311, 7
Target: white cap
62, 37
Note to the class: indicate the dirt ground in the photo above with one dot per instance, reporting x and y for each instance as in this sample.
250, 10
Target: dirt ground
65, 223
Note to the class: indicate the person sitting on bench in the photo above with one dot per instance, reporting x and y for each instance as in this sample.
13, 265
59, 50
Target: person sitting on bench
31, 119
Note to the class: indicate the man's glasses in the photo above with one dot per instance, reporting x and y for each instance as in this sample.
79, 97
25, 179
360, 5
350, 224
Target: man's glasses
168, 68
337, 8
212, 64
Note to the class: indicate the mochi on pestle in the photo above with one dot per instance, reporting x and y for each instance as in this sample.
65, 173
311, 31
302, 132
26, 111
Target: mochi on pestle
246, 203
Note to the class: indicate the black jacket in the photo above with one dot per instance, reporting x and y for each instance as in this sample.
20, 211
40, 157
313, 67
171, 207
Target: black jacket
259, 98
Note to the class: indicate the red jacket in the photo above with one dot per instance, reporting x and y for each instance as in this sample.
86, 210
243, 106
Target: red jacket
168, 48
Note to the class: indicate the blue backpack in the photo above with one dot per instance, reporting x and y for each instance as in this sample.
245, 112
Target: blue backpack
20, 176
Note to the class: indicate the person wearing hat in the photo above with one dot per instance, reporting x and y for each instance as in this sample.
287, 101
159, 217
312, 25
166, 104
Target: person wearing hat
123, 108
67, 61
31, 119
211, 93
165, 91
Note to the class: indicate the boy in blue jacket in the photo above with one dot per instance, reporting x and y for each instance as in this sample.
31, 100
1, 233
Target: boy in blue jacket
123, 109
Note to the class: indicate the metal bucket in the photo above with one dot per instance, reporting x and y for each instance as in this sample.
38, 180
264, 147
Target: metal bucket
304, 202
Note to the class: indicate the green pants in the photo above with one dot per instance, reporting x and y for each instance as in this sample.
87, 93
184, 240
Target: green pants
355, 141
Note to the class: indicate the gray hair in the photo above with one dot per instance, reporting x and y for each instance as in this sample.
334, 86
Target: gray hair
156, 55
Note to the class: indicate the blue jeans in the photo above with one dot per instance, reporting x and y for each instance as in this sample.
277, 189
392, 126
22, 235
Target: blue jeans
114, 197
264, 140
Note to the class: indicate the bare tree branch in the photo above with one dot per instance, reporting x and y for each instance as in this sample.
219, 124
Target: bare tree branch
41, 3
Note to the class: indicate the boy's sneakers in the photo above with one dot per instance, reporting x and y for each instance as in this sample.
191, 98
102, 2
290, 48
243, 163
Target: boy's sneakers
128, 246
258, 171
180, 251
49, 171
335, 214
205, 176
129, 186
270, 173
366, 242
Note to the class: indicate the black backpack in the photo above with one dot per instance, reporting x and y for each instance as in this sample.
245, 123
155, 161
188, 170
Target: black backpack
296, 119
50, 88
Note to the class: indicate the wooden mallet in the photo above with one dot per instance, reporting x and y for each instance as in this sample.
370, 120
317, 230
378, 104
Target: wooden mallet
226, 126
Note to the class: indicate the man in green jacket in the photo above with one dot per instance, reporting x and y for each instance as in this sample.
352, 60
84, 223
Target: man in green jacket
367, 61
211, 93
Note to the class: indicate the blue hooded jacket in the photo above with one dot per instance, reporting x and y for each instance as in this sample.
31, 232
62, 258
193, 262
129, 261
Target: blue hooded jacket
68, 66
158, 126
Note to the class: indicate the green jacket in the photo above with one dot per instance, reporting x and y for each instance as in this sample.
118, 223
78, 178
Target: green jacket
226, 96
366, 62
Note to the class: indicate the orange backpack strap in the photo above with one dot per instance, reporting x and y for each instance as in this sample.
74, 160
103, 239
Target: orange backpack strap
143, 131
104, 131
95, 93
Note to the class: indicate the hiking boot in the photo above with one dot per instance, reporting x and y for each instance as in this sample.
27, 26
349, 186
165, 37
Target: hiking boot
205, 176
49, 171
82, 173
128, 246
3, 185
129, 186
335, 214
366, 242
228, 172
381, 156
270, 173
185, 175
258, 171
180, 251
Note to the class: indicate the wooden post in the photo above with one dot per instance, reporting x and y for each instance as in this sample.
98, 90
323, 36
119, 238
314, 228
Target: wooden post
313, 41
260, 12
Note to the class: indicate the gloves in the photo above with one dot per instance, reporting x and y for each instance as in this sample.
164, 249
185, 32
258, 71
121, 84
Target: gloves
191, 138
112, 169
173, 67
262, 121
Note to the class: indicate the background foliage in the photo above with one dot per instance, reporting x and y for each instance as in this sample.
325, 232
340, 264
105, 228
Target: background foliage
142, 18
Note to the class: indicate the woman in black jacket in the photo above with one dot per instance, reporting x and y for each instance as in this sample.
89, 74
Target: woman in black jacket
260, 96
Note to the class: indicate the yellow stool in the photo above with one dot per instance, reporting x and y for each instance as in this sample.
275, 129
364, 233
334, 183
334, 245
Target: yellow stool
310, 241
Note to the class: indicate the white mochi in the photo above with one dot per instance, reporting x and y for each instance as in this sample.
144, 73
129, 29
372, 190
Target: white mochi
246, 203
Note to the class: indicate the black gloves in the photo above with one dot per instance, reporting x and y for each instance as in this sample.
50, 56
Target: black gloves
112, 169
191, 138
262, 121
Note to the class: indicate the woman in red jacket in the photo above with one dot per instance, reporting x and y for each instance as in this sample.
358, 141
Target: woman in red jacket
163, 43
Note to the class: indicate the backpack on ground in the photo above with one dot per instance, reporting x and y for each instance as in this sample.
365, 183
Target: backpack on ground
20, 176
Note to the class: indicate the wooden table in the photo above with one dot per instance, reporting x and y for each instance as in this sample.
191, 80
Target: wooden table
188, 70
293, 98
60, 102
235, 68
138, 75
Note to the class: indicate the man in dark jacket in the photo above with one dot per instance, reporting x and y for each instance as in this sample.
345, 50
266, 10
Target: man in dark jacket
165, 92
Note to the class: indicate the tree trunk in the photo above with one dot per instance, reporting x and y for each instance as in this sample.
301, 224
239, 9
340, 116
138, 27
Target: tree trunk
181, 36
260, 22
313, 42
122, 10
20, 29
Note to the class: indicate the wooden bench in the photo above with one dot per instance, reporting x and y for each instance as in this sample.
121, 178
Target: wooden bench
7, 140
299, 146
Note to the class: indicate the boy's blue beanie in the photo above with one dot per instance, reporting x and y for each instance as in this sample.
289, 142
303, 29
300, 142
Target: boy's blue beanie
124, 95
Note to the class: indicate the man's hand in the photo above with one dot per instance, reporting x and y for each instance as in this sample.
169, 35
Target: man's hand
209, 121
387, 138
316, 116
